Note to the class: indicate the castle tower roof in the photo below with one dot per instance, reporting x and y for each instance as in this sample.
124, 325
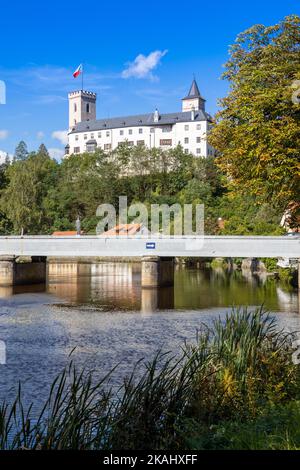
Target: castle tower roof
194, 91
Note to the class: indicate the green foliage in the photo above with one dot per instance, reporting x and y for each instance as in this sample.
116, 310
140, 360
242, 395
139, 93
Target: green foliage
219, 263
270, 264
40, 195
23, 197
276, 428
244, 215
257, 131
21, 151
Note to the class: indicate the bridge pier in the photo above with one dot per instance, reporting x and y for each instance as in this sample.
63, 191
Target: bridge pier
16, 274
157, 271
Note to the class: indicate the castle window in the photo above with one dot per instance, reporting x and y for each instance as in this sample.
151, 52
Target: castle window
107, 146
186, 127
121, 132
75, 122
85, 136
140, 142
186, 150
107, 133
198, 140
92, 136
186, 140
198, 127
140, 131
75, 107
99, 135
130, 143
91, 147
152, 130
76, 137
198, 150
76, 149
130, 131
88, 107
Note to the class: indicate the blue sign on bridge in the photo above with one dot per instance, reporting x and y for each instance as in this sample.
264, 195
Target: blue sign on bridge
150, 245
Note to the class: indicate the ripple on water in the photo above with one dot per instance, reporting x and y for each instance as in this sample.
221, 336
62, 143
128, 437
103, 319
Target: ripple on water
103, 324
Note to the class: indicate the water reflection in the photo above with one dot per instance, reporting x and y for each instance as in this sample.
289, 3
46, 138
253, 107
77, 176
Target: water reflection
157, 299
100, 313
8, 291
117, 286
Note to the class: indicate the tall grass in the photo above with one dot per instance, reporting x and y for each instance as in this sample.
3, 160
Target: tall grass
238, 367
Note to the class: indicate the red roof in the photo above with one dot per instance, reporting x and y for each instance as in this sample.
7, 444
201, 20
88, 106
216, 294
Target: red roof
67, 233
123, 229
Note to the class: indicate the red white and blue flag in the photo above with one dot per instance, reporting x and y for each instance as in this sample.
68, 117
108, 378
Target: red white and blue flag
78, 71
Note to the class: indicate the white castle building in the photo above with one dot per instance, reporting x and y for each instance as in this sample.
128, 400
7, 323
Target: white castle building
187, 128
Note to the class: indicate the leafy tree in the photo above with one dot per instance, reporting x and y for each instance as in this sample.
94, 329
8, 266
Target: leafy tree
21, 152
42, 150
244, 215
83, 182
257, 131
23, 198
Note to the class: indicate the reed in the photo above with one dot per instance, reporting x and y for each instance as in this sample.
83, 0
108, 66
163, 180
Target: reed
236, 369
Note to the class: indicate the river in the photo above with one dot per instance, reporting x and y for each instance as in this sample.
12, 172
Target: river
101, 311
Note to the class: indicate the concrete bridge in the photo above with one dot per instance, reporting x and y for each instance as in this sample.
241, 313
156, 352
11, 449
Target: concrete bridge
157, 253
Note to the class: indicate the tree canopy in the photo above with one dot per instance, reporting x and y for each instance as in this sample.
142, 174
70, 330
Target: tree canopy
21, 152
257, 131
39, 195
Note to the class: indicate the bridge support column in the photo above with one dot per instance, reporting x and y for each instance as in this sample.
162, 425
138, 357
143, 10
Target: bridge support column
157, 272
16, 274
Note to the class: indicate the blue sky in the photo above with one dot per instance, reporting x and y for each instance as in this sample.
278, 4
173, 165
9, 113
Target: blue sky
137, 56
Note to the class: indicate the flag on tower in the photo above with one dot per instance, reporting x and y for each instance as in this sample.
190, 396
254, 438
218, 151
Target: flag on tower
78, 71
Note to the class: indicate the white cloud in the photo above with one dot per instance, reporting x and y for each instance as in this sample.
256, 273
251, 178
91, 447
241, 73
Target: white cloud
40, 135
3, 134
142, 66
62, 136
56, 153
3, 156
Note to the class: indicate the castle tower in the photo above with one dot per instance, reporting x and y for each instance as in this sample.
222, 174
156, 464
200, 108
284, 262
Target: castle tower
193, 101
82, 107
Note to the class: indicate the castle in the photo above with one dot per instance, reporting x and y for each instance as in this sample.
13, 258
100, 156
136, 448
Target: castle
187, 128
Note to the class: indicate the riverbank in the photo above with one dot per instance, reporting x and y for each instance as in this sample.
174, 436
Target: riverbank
266, 267
229, 390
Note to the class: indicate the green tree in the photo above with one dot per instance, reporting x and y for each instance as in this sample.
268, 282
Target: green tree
21, 152
83, 182
257, 131
42, 150
23, 198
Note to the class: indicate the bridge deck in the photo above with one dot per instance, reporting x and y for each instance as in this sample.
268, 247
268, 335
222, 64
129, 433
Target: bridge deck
208, 246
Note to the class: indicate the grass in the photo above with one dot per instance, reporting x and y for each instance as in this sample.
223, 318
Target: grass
276, 428
235, 388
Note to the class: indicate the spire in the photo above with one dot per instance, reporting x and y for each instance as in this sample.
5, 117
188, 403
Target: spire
194, 91
193, 99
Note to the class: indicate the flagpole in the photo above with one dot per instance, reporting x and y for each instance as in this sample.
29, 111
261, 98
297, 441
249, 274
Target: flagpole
82, 79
